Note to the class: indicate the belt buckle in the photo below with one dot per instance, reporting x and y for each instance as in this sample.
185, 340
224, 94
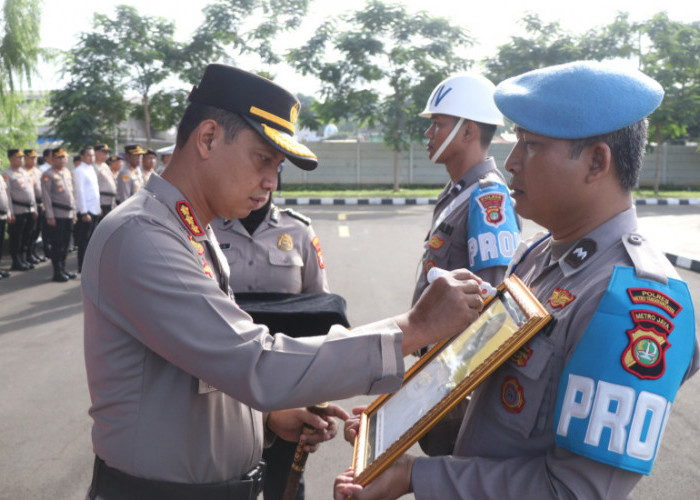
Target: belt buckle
257, 475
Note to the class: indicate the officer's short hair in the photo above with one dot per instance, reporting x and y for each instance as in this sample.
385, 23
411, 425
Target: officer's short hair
85, 148
231, 123
627, 147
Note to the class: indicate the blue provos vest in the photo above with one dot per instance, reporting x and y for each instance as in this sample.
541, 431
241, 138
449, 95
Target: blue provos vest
492, 227
616, 391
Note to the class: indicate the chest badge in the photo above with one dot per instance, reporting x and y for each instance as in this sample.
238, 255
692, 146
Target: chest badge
512, 396
436, 243
561, 298
285, 243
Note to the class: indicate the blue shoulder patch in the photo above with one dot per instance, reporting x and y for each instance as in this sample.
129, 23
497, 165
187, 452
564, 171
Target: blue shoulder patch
492, 230
616, 391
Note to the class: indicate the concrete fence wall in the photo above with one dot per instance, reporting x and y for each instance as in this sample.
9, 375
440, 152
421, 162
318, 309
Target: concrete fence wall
363, 163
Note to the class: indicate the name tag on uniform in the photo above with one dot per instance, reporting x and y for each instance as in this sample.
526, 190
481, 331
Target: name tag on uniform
205, 388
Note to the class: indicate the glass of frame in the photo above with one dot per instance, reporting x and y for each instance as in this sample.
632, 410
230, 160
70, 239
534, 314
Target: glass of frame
444, 376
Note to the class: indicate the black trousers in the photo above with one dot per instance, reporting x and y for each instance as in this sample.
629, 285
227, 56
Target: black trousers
2, 235
82, 234
59, 239
34, 231
19, 233
279, 458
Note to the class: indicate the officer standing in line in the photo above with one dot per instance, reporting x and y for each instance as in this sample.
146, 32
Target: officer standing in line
273, 250
474, 225
148, 166
130, 178
5, 216
48, 160
87, 201
185, 388
23, 208
106, 180
59, 203
34, 229
579, 412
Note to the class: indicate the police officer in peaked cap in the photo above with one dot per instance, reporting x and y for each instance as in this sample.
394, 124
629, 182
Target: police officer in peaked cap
186, 390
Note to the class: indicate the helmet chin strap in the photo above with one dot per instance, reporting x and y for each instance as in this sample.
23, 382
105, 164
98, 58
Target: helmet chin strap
447, 141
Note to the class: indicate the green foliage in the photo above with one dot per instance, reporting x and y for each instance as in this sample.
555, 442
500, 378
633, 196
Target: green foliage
377, 66
19, 50
18, 120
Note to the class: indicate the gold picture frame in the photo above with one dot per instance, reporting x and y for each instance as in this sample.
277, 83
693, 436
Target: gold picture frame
444, 376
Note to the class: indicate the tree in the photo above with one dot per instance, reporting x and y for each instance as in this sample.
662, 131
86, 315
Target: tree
670, 57
19, 55
378, 66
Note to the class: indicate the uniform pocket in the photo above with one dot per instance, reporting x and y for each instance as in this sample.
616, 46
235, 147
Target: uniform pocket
285, 258
523, 383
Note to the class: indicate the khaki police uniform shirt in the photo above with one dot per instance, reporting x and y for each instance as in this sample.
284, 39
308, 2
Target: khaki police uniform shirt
282, 255
35, 175
5, 205
57, 188
21, 191
178, 373
129, 181
107, 184
454, 252
503, 454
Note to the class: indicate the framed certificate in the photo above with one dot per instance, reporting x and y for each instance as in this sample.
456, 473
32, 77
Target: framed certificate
444, 376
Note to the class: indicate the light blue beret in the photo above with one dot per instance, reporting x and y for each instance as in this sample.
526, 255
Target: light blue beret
579, 99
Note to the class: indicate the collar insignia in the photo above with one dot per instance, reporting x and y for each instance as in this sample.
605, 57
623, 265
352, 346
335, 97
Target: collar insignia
187, 216
582, 251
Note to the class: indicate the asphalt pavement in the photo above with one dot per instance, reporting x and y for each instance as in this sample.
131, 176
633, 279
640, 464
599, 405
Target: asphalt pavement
371, 251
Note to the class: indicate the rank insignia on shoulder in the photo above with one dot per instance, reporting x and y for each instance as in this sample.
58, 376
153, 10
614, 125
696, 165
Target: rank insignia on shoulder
561, 298
581, 252
300, 217
187, 216
285, 243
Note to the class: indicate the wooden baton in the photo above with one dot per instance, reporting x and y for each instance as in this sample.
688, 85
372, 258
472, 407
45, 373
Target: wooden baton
300, 456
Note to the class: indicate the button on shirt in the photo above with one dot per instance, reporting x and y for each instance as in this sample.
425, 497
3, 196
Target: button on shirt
87, 191
178, 373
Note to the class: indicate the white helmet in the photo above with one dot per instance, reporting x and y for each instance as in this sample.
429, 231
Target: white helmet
466, 95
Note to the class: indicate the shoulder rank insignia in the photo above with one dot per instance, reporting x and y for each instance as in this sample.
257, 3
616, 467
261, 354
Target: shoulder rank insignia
293, 213
187, 216
285, 243
561, 298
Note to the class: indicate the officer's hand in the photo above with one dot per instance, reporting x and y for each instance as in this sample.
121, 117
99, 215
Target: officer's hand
352, 424
450, 304
390, 484
288, 425
11, 219
51, 222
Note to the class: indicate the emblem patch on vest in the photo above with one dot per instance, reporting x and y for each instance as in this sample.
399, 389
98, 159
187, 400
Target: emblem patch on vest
561, 298
512, 395
187, 216
522, 356
492, 206
654, 298
648, 342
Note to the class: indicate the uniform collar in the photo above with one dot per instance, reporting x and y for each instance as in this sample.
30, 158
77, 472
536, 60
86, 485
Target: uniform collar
176, 202
579, 255
473, 175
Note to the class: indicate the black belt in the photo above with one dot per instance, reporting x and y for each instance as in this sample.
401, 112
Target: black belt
61, 206
107, 194
112, 484
22, 204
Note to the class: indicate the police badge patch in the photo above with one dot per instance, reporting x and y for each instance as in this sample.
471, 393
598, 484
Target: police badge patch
492, 206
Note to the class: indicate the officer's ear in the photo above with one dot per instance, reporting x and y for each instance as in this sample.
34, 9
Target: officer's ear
600, 162
205, 136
